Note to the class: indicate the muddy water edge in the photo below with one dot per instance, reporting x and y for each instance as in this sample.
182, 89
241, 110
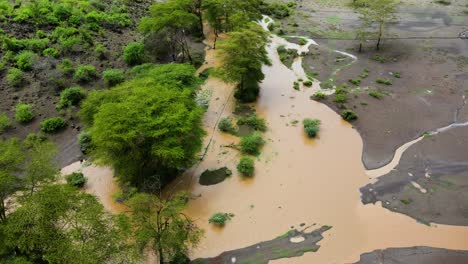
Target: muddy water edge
298, 181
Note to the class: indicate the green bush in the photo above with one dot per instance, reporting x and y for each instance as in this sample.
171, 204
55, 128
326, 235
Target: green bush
311, 126
397, 75
66, 67
71, 97
302, 41
319, 96
296, 86
14, 76
76, 179
355, 81
53, 124
4, 122
113, 76
252, 143
254, 122
376, 95
134, 53
384, 81
101, 51
85, 142
349, 115
246, 166
340, 98
24, 113
308, 83
379, 58
25, 60
225, 125
219, 219
51, 52
85, 73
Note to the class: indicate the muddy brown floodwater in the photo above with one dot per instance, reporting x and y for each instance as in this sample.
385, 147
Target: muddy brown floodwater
298, 180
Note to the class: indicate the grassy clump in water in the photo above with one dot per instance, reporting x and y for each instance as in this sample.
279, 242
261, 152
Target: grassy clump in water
220, 219
252, 144
311, 127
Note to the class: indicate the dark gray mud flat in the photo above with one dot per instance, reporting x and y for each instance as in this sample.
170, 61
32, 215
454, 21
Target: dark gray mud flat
414, 255
263, 252
212, 177
439, 165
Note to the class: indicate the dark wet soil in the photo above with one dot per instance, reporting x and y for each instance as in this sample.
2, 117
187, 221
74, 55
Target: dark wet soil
263, 252
414, 255
439, 165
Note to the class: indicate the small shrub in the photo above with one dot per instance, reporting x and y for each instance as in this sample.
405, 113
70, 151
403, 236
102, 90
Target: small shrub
364, 75
319, 96
349, 115
340, 98
53, 124
85, 142
355, 81
219, 219
113, 76
379, 58
384, 81
397, 75
376, 95
25, 60
134, 53
443, 2
101, 51
71, 97
14, 76
24, 113
296, 86
66, 67
254, 122
311, 126
302, 41
4, 122
51, 52
225, 125
85, 73
252, 143
246, 166
308, 83
76, 179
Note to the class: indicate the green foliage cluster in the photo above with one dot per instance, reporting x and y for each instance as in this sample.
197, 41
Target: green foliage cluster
15, 77
278, 9
85, 73
148, 128
319, 96
379, 58
296, 86
24, 113
311, 126
25, 60
308, 83
287, 56
85, 142
246, 166
254, 122
219, 218
355, 81
51, 52
71, 97
349, 115
76, 179
134, 53
384, 81
376, 94
5, 122
226, 125
252, 143
53, 124
302, 41
113, 76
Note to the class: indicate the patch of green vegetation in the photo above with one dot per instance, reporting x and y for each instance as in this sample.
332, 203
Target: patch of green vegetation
308, 83
379, 58
4, 122
51, 52
319, 96
365, 73
277, 10
311, 127
397, 75
252, 143
226, 125
53, 124
220, 219
76, 179
254, 122
287, 56
25, 60
376, 95
246, 166
340, 98
134, 53
406, 201
296, 86
85, 73
14, 77
355, 81
71, 97
23, 113
349, 115
302, 41
285, 235
327, 227
113, 76
443, 2
384, 81
333, 19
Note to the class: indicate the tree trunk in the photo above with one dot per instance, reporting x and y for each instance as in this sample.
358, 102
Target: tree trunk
380, 36
161, 257
360, 47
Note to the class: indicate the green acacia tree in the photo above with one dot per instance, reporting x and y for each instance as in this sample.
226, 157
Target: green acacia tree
380, 12
148, 129
59, 224
11, 158
40, 167
243, 54
174, 20
161, 225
